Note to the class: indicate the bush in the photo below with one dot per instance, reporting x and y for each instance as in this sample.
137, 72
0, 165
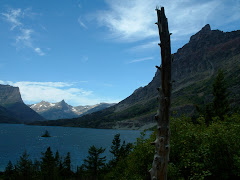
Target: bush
198, 151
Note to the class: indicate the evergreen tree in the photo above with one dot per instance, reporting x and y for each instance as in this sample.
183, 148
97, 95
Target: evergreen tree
9, 171
67, 166
57, 158
48, 165
208, 113
24, 167
94, 163
115, 148
219, 106
220, 101
80, 172
36, 169
119, 151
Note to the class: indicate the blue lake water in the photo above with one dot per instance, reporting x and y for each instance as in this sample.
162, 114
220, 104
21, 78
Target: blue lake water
16, 138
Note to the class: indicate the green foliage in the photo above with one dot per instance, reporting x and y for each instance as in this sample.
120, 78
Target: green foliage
48, 164
9, 171
220, 101
94, 163
119, 151
219, 106
137, 163
49, 167
198, 151
67, 166
23, 167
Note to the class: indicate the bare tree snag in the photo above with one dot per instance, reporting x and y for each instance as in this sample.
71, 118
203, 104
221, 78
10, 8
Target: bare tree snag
161, 157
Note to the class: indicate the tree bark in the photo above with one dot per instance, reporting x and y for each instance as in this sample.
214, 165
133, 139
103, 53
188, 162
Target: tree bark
162, 145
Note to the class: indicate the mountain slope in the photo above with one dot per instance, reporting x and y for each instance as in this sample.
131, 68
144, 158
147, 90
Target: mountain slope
13, 107
52, 111
193, 69
6, 116
62, 110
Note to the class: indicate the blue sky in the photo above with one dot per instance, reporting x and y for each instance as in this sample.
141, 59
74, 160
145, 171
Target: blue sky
92, 51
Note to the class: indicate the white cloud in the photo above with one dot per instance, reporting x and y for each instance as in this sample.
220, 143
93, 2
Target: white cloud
128, 20
140, 60
24, 38
47, 84
13, 16
134, 20
81, 23
39, 51
34, 92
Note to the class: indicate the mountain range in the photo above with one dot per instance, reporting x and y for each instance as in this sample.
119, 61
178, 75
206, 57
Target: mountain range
13, 109
194, 68
62, 110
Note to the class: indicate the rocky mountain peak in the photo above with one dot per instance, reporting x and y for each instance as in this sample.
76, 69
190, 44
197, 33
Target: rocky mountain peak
62, 102
206, 28
62, 110
205, 31
44, 103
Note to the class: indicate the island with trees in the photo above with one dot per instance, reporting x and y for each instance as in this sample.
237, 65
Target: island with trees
46, 134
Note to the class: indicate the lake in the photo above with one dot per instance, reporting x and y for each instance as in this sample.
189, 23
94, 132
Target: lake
16, 138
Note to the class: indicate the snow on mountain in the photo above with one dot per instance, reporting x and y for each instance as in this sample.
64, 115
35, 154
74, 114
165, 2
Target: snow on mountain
62, 110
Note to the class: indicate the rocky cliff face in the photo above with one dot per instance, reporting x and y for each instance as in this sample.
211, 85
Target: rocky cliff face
13, 107
9, 95
193, 69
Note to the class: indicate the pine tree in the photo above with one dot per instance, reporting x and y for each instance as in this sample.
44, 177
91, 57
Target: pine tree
36, 169
48, 165
24, 167
119, 151
219, 107
94, 162
220, 101
9, 170
115, 148
57, 158
67, 166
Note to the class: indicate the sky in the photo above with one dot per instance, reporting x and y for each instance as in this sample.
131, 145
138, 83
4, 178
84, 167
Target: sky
92, 51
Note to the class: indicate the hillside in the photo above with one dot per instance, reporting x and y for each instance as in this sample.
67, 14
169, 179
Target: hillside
12, 107
193, 69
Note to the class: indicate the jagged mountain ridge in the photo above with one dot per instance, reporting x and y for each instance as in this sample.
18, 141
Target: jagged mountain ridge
193, 69
62, 110
12, 107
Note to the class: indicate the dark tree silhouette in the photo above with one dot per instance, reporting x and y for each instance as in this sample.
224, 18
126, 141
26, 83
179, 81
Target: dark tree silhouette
119, 151
94, 162
48, 165
24, 167
220, 100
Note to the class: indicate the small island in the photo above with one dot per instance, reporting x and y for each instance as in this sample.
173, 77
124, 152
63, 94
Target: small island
46, 134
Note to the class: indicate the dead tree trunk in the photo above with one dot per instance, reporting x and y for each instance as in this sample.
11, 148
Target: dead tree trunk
161, 157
